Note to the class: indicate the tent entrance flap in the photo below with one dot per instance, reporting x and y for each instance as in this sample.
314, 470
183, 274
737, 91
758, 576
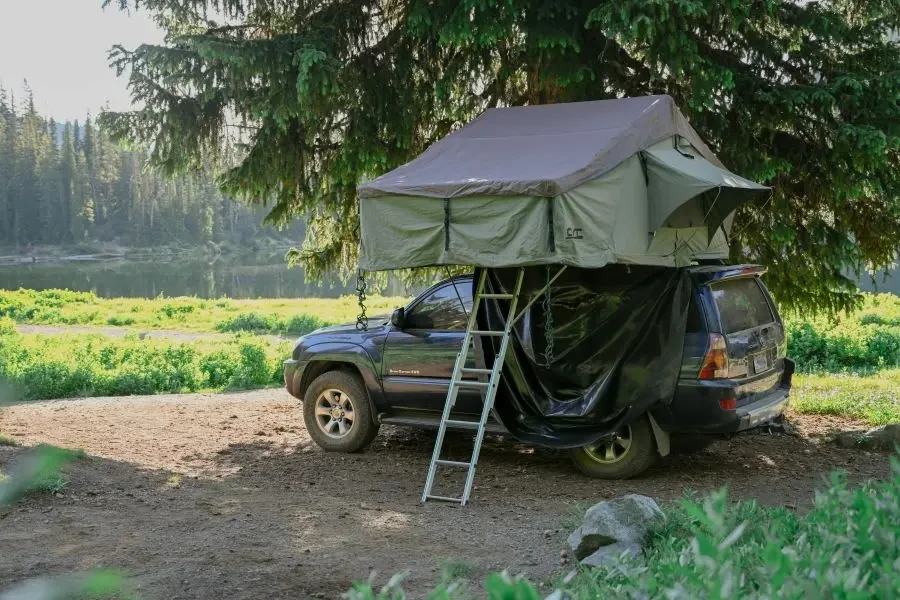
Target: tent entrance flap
686, 190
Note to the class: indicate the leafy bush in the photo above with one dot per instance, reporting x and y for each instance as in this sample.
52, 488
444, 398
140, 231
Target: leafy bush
45, 367
303, 324
177, 310
7, 326
847, 546
120, 321
253, 322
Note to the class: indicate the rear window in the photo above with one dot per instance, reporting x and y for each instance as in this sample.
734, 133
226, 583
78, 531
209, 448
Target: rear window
741, 304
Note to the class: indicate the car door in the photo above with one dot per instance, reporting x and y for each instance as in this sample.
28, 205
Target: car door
419, 358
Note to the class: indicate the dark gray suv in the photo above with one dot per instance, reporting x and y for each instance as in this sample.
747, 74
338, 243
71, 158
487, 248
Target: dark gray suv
734, 373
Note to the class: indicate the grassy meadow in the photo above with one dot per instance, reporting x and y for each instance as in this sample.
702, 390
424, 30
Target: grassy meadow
294, 316
848, 364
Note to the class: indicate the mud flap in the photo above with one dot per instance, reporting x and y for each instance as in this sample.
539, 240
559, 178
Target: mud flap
663, 441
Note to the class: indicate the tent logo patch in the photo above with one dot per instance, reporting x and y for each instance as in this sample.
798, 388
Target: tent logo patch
574, 233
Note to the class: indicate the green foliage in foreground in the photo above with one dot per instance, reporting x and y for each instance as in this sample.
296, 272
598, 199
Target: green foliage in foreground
874, 399
43, 367
39, 470
847, 546
292, 316
863, 340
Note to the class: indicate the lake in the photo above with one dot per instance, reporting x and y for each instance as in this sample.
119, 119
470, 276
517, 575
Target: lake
244, 276
232, 276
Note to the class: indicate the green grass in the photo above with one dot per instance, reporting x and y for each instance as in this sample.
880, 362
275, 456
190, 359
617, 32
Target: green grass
7, 441
846, 546
874, 399
279, 316
38, 367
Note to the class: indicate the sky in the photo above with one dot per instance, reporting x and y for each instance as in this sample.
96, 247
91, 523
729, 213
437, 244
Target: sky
60, 47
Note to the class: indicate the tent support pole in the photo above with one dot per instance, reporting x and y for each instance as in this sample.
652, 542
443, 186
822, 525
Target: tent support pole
540, 293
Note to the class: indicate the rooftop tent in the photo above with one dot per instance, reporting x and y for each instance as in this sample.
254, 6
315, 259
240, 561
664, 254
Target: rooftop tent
583, 184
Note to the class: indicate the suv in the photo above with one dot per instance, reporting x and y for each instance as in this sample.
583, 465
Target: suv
734, 373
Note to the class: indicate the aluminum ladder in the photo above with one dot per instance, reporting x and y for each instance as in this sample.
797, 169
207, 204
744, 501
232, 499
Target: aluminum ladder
457, 381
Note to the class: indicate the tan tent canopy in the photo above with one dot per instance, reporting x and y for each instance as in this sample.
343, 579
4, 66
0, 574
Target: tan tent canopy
583, 184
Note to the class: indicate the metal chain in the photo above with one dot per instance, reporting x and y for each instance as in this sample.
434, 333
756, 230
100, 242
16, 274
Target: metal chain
548, 323
362, 321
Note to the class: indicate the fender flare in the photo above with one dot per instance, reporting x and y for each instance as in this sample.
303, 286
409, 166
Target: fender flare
351, 354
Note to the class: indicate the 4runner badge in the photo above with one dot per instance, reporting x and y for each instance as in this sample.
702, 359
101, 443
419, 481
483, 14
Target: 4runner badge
401, 372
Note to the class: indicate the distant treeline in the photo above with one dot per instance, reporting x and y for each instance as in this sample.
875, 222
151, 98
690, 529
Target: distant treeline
68, 184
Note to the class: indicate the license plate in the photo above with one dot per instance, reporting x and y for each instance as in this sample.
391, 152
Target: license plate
760, 363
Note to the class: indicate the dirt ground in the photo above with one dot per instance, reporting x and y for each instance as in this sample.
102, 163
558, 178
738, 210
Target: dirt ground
225, 496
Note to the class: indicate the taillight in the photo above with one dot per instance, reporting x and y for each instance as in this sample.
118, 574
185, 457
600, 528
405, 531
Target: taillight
715, 363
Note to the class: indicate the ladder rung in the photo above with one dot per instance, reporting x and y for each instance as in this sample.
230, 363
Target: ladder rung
472, 371
444, 498
462, 424
453, 463
498, 296
466, 382
491, 333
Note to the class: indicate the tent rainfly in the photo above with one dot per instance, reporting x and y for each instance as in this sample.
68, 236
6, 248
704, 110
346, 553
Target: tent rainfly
582, 184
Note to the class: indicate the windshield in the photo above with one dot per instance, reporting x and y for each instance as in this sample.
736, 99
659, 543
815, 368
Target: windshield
741, 304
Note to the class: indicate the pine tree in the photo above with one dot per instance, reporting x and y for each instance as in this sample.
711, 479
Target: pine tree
82, 187
67, 169
801, 95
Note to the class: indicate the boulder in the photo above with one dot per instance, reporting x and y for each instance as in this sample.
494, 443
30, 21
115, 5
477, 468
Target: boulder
614, 527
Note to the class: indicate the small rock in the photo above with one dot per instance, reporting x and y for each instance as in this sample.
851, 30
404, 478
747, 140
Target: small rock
614, 527
548, 533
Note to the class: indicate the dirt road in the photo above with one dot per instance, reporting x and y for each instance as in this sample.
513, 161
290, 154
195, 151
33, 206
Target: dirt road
225, 496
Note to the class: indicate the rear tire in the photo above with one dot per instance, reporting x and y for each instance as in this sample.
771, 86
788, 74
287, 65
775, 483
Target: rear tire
337, 412
632, 452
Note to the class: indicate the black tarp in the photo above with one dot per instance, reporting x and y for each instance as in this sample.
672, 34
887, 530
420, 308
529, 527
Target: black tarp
618, 335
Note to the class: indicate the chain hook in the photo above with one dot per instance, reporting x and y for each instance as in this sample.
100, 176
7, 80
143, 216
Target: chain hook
548, 323
362, 321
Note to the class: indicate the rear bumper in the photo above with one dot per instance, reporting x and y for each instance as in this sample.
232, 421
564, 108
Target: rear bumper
697, 406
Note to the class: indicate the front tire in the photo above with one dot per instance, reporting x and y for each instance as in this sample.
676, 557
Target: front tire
631, 452
337, 412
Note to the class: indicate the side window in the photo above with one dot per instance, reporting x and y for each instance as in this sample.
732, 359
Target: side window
442, 308
695, 322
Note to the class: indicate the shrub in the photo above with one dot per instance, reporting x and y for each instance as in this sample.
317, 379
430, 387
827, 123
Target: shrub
252, 322
219, 368
254, 370
7, 327
177, 310
863, 341
303, 324
117, 321
40, 367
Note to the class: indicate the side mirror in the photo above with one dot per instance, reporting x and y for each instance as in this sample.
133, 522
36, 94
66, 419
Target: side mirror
398, 318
